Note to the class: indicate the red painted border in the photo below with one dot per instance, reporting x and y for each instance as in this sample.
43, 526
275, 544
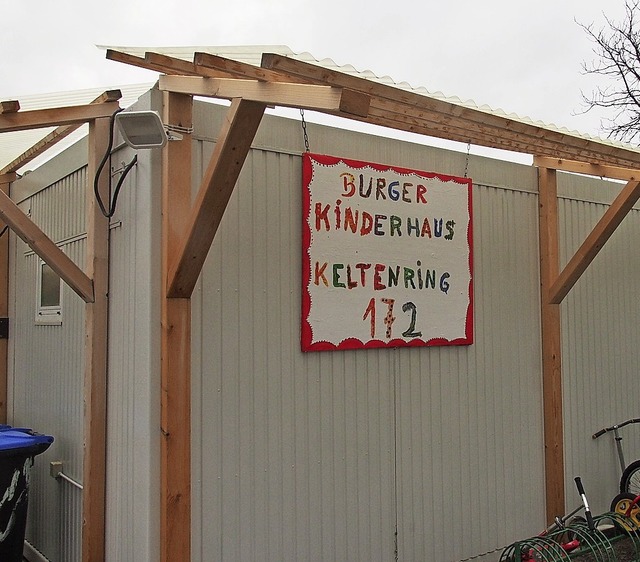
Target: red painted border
353, 343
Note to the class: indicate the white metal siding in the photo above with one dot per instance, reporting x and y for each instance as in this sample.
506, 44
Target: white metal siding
321, 456
133, 429
600, 351
48, 366
470, 418
318, 456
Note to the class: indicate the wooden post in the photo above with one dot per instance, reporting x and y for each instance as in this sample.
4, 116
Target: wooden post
96, 332
4, 313
175, 466
551, 345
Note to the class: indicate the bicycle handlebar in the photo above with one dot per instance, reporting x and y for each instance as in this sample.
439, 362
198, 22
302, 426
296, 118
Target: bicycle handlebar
587, 511
614, 427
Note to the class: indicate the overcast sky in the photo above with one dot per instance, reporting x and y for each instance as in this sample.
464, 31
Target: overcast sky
522, 57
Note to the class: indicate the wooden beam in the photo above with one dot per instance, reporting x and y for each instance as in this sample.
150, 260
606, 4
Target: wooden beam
4, 311
598, 170
174, 66
175, 417
286, 95
8, 177
404, 110
53, 117
42, 245
10, 106
526, 137
140, 62
55, 136
231, 149
237, 69
161, 63
551, 346
171, 65
594, 242
96, 352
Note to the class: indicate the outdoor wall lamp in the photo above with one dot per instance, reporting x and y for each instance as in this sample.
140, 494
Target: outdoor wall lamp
142, 129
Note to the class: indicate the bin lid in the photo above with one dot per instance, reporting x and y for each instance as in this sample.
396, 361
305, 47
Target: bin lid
22, 438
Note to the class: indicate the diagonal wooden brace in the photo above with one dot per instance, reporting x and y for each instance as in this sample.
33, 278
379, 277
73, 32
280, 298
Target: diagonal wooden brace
232, 147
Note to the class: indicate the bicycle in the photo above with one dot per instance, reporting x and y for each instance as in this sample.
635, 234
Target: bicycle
567, 534
630, 479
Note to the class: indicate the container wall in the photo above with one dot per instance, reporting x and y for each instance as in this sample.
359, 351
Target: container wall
600, 334
47, 377
327, 455
46, 385
420, 454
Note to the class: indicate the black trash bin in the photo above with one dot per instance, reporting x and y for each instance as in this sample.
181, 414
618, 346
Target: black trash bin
18, 447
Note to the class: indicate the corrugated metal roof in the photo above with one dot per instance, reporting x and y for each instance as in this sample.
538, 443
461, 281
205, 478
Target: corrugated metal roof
13, 144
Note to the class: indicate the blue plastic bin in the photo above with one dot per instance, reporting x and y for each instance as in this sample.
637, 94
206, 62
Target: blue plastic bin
18, 447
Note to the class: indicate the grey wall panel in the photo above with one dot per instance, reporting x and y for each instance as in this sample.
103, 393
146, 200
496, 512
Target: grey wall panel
600, 352
326, 455
469, 418
133, 430
297, 450
320, 456
48, 366
47, 376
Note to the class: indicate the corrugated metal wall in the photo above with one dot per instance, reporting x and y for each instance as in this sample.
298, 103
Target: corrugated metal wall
321, 456
601, 354
48, 361
47, 381
133, 481
327, 455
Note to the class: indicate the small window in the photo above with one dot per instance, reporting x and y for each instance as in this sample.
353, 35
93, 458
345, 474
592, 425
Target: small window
49, 306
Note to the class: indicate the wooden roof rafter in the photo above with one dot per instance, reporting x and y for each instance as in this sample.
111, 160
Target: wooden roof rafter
57, 116
321, 98
56, 135
489, 129
399, 109
67, 120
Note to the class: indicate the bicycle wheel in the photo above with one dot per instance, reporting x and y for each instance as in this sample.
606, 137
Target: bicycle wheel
619, 505
630, 481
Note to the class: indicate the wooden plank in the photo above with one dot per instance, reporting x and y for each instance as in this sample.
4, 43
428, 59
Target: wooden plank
174, 66
231, 149
10, 106
237, 69
4, 312
118, 56
409, 111
285, 95
161, 63
42, 245
493, 126
8, 177
175, 417
551, 346
171, 65
53, 117
594, 242
55, 136
96, 352
589, 169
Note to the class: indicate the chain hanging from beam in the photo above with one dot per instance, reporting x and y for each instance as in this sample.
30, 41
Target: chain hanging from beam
466, 162
304, 131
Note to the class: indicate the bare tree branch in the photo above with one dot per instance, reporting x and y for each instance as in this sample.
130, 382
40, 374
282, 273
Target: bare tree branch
617, 51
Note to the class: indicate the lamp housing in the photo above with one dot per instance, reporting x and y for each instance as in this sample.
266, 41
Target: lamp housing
142, 129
